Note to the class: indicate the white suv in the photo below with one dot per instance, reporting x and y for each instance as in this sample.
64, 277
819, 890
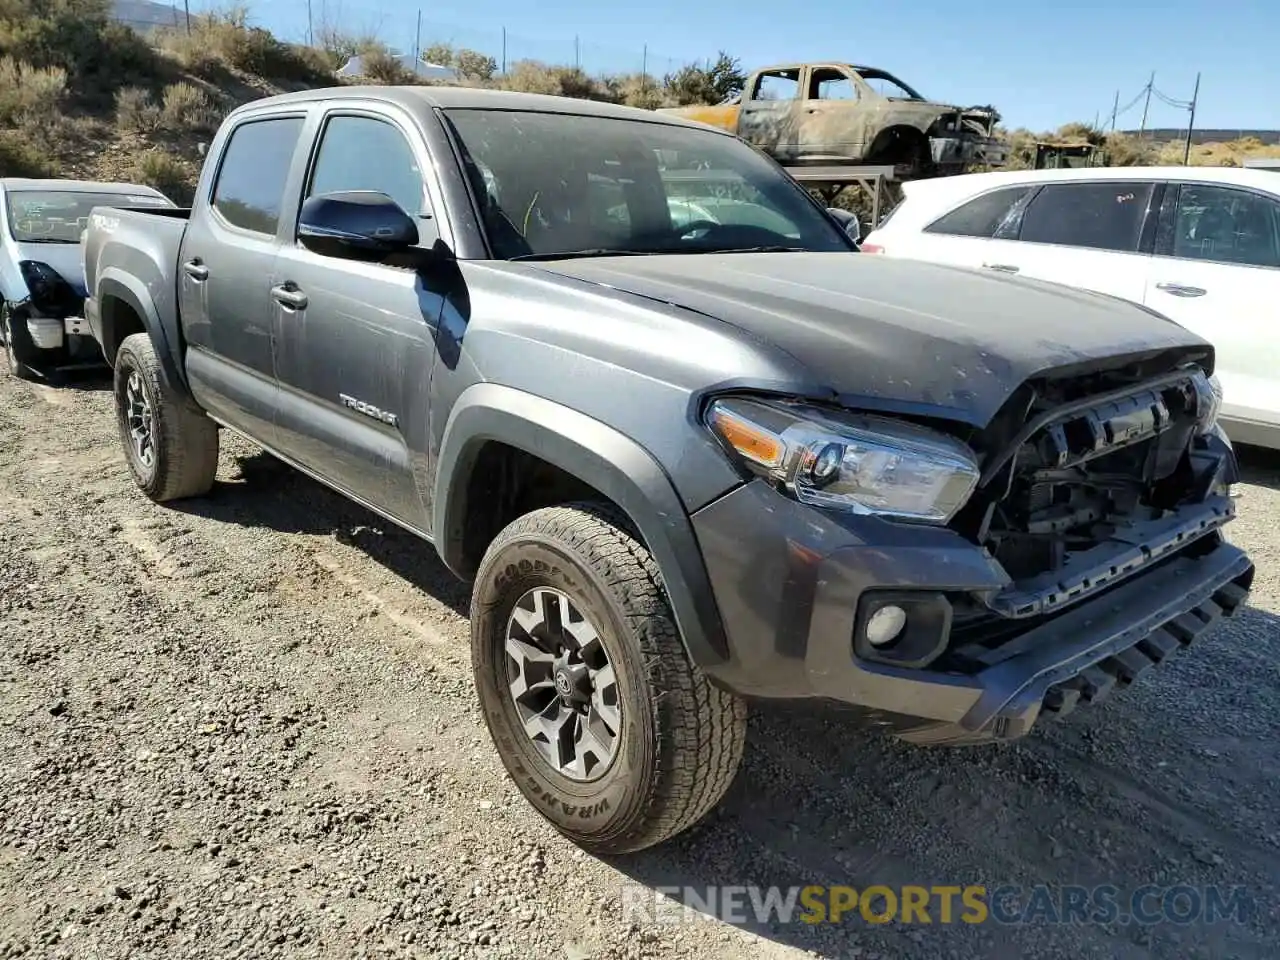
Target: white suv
1198, 244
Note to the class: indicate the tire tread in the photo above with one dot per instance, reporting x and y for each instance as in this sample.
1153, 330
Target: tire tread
187, 440
704, 726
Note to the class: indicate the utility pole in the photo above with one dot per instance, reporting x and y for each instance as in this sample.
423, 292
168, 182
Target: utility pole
417, 42
1150, 84
186, 6
311, 36
1186, 153
504, 51
1115, 108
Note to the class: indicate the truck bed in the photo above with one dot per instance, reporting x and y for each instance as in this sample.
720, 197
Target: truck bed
132, 255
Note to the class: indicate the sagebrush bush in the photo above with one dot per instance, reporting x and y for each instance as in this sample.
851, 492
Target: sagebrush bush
167, 173
380, 65
19, 157
79, 37
29, 94
136, 112
185, 106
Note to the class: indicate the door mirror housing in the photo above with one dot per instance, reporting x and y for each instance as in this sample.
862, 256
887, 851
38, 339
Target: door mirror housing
356, 225
848, 222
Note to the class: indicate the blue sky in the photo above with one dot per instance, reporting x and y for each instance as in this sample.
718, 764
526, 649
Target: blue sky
1040, 64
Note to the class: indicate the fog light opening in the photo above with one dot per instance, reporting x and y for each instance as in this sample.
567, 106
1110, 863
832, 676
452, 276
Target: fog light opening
885, 625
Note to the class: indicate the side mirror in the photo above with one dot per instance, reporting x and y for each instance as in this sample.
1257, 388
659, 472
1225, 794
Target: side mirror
356, 225
848, 222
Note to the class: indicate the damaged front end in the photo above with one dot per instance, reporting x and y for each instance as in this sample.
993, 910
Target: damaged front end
967, 137
48, 327
1110, 488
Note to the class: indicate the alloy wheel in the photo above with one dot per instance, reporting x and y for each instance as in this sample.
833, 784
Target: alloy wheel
563, 685
140, 419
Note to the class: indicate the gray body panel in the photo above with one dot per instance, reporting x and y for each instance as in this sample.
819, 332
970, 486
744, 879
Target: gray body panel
896, 334
388, 382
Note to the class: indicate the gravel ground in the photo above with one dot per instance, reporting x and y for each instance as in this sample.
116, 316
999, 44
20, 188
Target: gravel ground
245, 727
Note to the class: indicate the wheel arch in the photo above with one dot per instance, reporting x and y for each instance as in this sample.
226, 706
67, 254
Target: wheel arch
898, 133
610, 463
125, 307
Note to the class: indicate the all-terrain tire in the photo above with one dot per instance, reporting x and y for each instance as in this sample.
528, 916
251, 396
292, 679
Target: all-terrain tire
681, 738
183, 441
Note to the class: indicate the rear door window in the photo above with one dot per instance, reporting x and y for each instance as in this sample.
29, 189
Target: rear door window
255, 168
982, 216
1101, 216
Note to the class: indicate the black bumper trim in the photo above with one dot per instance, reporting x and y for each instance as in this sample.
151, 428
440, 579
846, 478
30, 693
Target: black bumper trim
1134, 547
1126, 631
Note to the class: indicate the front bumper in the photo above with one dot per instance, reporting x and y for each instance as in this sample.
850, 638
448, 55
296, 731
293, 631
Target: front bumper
790, 582
968, 150
50, 333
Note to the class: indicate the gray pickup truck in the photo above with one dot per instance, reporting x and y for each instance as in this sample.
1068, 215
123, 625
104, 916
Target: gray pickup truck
686, 460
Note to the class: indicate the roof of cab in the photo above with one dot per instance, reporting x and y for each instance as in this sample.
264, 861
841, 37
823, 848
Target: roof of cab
471, 98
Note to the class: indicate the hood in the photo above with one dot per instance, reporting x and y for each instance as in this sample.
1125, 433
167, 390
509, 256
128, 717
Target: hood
898, 335
65, 258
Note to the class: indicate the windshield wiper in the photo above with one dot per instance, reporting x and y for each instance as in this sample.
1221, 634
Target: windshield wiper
594, 252
774, 249
656, 251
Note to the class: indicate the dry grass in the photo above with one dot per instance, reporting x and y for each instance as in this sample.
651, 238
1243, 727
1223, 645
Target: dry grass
225, 40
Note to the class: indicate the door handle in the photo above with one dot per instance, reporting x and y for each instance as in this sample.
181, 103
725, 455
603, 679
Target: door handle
1178, 290
288, 295
1002, 267
195, 269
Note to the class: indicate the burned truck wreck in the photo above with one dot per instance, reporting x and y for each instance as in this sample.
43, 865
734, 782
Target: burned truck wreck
840, 113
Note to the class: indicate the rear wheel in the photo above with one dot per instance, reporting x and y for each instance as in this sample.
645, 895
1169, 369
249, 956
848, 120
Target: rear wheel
170, 446
598, 715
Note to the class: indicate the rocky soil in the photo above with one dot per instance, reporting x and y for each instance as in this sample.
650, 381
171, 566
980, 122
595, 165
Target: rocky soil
244, 727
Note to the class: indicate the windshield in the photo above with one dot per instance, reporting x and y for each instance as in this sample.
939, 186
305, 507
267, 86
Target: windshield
48, 216
551, 184
887, 85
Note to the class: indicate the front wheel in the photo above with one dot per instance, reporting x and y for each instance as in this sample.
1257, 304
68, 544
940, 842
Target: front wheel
19, 350
598, 715
170, 446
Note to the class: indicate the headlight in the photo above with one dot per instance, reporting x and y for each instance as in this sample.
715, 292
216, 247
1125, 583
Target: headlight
860, 464
46, 288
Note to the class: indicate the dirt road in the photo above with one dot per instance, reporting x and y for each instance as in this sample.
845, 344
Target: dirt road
245, 727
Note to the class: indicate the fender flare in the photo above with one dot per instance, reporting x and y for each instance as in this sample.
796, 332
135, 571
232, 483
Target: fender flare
599, 455
131, 291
